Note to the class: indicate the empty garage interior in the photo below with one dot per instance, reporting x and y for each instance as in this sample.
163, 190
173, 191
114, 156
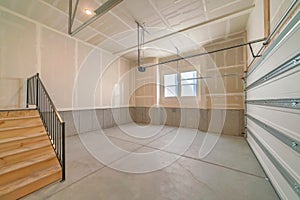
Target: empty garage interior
149, 99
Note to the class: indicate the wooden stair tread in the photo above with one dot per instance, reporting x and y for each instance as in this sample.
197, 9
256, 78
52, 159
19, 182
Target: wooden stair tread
41, 144
20, 122
16, 113
15, 166
22, 131
28, 161
18, 138
24, 143
20, 127
19, 117
55, 171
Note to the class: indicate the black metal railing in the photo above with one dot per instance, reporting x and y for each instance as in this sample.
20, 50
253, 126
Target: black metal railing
37, 95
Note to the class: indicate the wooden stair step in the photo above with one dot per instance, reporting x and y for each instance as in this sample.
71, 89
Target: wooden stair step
21, 169
17, 113
33, 146
20, 122
19, 127
17, 155
22, 141
26, 185
28, 161
18, 117
45, 156
21, 137
21, 131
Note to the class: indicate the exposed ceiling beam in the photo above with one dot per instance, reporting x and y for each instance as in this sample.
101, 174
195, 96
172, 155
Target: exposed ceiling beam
205, 23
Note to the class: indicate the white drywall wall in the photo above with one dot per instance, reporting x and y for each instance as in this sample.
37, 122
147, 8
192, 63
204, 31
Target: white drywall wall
28, 47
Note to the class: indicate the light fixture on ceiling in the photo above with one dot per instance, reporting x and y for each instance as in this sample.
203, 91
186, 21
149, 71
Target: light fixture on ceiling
88, 12
104, 8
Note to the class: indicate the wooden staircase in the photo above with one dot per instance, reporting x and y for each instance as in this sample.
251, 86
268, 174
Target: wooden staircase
27, 159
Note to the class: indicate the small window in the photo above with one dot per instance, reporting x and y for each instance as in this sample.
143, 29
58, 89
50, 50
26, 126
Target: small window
170, 85
188, 83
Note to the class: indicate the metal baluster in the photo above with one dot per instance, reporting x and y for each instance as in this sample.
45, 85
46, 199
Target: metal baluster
63, 159
42, 97
57, 138
50, 119
45, 111
60, 140
37, 91
27, 90
31, 91
44, 114
37, 94
54, 125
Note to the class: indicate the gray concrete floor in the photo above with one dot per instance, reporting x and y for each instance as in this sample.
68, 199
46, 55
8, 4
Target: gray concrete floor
229, 171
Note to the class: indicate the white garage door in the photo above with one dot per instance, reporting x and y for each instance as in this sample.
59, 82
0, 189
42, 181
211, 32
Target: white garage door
273, 111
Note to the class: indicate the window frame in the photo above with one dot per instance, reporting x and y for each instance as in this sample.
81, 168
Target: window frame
178, 85
195, 84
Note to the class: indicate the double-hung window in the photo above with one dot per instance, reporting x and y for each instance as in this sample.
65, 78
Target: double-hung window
170, 85
186, 87
188, 84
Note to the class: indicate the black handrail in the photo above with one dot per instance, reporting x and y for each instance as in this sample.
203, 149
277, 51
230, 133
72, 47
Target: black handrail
37, 95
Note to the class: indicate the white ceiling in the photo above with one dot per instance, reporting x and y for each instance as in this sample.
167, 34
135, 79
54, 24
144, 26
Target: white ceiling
116, 30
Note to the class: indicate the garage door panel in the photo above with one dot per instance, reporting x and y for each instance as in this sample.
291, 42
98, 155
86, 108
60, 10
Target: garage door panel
274, 117
278, 181
278, 53
286, 156
285, 86
273, 110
